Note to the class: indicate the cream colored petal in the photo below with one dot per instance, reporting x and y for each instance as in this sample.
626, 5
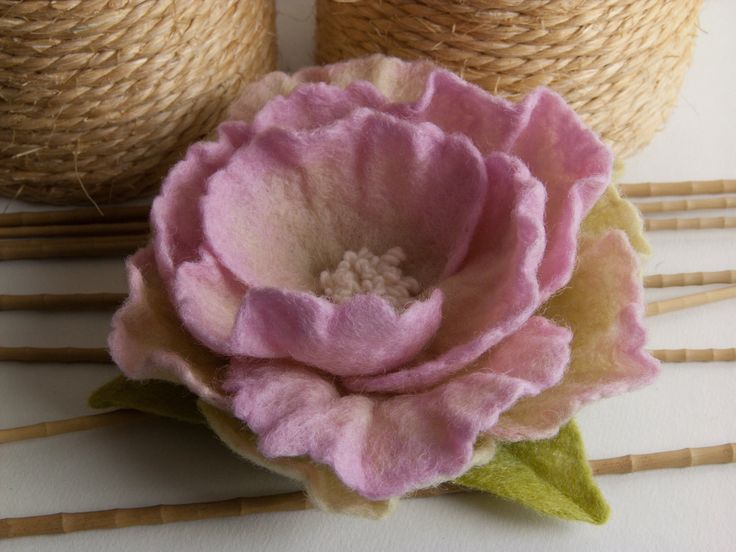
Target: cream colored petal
399, 81
611, 212
603, 307
323, 488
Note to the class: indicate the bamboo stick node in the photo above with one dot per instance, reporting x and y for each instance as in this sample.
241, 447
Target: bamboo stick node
55, 354
695, 223
690, 279
692, 300
150, 515
652, 189
674, 205
695, 355
683, 458
62, 302
80, 423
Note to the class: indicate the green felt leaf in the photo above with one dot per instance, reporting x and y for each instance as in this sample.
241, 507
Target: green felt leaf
552, 477
152, 396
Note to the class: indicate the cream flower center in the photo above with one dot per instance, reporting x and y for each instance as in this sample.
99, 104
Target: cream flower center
363, 273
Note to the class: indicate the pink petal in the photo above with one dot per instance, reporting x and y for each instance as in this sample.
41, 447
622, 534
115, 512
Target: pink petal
575, 167
385, 447
175, 215
494, 292
290, 204
311, 106
148, 342
207, 301
364, 335
604, 308
547, 135
457, 106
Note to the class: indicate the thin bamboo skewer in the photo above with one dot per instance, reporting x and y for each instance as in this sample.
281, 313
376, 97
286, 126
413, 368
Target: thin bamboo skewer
695, 355
41, 248
695, 223
62, 302
69, 425
55, 354
118, 518
76, 216
651, 189
683, 458
93, 355
674, 205
690, 279
66, 230
692, 300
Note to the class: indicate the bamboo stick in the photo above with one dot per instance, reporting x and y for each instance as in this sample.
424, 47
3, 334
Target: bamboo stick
69, 425
695, 223
55, 354
690, 279
683, 458
62, 302
118, 518
101, 356
695, 355
692, 300
66, 230
44, 248
76, 216
674, 205
651, 189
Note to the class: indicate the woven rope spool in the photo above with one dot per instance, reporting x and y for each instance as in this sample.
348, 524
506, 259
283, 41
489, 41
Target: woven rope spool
619, 63
99, 97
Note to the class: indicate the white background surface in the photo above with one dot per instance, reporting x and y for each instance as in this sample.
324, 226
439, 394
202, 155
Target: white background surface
690, 405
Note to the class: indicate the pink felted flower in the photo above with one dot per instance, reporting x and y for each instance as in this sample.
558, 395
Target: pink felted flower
371, 268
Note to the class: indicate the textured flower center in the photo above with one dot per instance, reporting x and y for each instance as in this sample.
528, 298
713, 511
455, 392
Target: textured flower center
363, 273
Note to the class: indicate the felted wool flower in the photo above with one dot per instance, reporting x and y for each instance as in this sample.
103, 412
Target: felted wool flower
376, 274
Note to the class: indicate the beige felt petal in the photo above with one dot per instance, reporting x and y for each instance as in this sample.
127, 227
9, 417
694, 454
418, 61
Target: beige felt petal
323, 487
147, 340
603, 306
612, 211
397, 80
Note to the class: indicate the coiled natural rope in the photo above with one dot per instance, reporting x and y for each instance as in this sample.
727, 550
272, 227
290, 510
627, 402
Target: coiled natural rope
619, 63
99, 97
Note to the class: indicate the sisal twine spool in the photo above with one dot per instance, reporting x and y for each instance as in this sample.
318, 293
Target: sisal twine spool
99, 97
619, 63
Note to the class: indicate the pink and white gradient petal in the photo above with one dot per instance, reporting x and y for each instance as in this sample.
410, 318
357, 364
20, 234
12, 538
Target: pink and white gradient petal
290, 204
603, 306
207, 299
495, 290
364, 335
147, 340
175, 214
575, 166
385, 447
314, 105
547, 135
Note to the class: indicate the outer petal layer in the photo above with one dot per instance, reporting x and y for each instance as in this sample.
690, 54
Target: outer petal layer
323, 488
575, 166
384, 447
603, 306
148, 342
